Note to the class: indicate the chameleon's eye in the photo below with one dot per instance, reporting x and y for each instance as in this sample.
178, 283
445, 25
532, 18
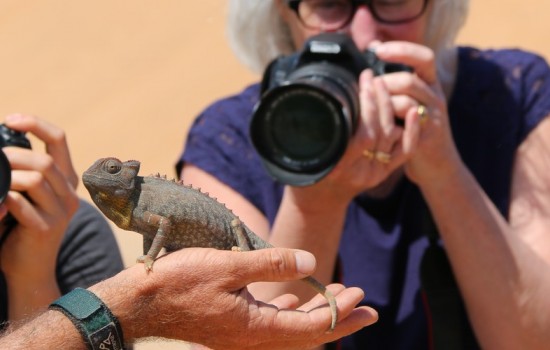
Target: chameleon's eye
112, 166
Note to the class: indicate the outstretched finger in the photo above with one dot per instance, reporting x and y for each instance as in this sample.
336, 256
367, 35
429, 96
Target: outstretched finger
346, 300
355, 320
320, 300
412, 131
369, 128
286, 301
420, 58
314, 324
29, 161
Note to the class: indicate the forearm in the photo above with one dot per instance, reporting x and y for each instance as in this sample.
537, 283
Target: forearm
495, 269
53, 330
50, 330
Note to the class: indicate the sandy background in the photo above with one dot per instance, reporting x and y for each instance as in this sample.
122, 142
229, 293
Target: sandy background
125, 78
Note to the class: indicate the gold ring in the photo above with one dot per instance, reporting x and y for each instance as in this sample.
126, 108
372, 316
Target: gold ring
383, 157
368, 154
423, 115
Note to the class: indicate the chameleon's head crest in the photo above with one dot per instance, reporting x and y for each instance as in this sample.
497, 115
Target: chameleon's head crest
110, 172
112, 186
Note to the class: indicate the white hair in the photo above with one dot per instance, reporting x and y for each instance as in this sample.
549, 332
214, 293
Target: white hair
257, 34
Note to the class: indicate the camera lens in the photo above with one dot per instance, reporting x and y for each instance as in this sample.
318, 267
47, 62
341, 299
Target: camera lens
301, 129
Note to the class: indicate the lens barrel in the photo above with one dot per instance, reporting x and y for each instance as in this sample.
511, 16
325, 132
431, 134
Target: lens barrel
302, 127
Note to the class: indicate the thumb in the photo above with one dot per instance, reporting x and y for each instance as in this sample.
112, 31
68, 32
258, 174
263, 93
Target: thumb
275, 265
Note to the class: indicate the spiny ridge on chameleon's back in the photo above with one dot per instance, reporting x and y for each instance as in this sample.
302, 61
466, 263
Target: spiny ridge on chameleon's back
197, 190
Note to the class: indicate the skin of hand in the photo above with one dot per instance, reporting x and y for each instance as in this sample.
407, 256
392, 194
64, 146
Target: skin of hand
229, 317
200, 295
28, 256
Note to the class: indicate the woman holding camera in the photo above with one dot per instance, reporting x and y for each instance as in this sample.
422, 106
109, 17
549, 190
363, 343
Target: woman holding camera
59, 243
463, 140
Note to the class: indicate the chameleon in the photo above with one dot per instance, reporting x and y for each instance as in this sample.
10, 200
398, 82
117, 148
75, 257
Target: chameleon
172, 215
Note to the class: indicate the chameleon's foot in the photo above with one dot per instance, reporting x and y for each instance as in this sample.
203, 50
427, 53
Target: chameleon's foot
147, 261
236, 249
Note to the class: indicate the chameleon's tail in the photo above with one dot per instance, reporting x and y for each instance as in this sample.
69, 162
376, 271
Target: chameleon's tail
328, 295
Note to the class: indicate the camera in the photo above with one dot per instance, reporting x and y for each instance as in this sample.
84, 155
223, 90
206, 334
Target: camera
8, 137
309, 107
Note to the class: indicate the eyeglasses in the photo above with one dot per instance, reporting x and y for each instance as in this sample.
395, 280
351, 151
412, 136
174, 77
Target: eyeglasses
330, 15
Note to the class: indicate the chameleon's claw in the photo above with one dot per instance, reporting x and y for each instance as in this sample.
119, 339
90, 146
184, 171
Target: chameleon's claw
147, 261
236, 249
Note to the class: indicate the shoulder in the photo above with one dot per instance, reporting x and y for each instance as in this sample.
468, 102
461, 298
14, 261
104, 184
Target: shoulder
504, 56
510, 62
500, 96
527, 76
232, 108
523, 75
222, 128
224, 123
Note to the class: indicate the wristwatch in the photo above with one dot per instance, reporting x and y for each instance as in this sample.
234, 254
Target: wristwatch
99, 328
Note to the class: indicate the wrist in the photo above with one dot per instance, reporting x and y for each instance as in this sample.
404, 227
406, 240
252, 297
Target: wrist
435, 173
314, 202
98, 327
443, 183
126, 296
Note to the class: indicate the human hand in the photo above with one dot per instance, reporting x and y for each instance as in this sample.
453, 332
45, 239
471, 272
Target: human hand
199, 295
428, 143
28, 255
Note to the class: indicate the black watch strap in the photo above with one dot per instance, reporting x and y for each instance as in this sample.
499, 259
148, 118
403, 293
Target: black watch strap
99, 328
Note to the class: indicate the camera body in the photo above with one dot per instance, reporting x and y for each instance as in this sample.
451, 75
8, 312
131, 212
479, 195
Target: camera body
309, 107
8, 137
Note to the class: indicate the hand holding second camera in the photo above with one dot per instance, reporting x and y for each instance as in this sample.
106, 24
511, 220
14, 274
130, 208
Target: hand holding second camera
42, 199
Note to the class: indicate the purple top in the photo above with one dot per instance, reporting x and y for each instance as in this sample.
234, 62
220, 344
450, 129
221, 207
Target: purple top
499, 97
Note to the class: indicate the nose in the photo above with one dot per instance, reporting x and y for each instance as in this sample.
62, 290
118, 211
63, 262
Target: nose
363, 27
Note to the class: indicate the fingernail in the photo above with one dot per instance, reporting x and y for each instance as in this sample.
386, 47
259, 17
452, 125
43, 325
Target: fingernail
305, 262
